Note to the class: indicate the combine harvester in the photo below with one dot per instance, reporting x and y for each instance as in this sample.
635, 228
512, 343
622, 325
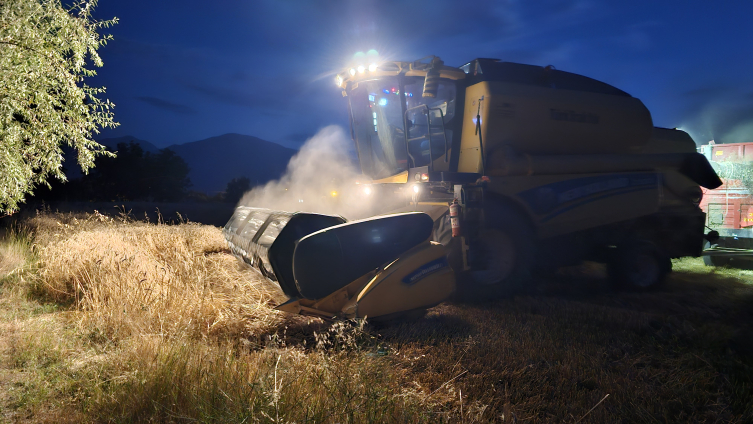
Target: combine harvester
501, 168
729, 208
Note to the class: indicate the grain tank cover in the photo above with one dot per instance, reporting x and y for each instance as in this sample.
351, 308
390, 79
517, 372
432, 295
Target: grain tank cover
494, 70
542, 110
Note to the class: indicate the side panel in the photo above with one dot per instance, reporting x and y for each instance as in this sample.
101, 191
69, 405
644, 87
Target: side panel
551, 121
420, 279
569, 203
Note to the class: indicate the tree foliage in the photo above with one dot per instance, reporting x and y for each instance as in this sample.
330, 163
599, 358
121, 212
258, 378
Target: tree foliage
135, 175
236, 188
46, 51
132, 175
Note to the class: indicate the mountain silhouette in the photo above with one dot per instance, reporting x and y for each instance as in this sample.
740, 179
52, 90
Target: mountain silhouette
217, 160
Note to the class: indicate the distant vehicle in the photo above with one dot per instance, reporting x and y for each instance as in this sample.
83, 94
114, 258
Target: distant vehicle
729, 207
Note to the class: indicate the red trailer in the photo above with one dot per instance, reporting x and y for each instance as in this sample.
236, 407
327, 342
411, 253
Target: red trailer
729, 208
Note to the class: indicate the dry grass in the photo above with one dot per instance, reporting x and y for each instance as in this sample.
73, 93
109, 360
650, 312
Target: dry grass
141, 279
159, 323
680, 354
108, 320
15, 247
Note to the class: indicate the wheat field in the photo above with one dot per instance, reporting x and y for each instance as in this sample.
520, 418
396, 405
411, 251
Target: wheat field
113, 320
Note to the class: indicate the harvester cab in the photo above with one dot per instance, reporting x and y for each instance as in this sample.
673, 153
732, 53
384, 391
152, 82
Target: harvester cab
543, 168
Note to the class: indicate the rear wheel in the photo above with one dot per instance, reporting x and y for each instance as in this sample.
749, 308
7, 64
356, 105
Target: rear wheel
639, 265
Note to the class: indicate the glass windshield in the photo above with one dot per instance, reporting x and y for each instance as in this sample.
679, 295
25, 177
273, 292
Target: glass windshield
378, 116
427, 119
378, 127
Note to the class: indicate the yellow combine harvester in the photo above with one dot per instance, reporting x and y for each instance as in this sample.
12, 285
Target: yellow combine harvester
540, 168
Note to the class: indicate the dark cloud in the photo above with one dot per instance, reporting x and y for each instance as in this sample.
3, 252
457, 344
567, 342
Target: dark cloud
261, 101
166, 105
706, 92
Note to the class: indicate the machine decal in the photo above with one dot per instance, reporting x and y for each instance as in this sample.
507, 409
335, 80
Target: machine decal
425, 270
550, 199
573, 206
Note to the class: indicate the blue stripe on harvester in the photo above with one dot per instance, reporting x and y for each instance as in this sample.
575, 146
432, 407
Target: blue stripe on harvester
573, 206
550, 200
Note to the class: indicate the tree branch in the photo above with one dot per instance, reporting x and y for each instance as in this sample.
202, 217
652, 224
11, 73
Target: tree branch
17, 45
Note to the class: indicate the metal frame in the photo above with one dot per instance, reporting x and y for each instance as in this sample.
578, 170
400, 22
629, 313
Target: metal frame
428, 131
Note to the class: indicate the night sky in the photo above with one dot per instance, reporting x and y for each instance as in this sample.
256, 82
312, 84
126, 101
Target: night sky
182, 71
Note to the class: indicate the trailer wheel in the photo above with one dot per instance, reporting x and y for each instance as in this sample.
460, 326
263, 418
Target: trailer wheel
709, 260
639, 265
500, 257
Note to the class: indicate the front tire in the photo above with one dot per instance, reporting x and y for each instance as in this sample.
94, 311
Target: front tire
500, 257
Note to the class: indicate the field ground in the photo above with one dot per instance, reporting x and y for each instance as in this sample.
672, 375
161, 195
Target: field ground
108, 320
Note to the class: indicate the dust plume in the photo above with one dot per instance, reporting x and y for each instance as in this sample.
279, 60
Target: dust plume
720, 114
320, 178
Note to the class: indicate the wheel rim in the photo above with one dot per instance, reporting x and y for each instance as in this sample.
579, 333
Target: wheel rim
644, 271
499, 258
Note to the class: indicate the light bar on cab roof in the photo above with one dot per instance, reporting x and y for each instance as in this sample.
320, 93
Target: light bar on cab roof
390, 68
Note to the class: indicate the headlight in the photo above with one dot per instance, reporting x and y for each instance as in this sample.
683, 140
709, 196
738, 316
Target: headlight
372, 67
367, 190
416, 188
339, 81
352, 71
361, 69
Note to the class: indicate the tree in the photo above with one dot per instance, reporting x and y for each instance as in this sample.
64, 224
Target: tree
167, 176
119, 178
136, 175
46, 51
236, 188
130, 176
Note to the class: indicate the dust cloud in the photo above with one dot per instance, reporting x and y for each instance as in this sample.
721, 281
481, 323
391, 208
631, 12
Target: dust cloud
320, 178
723, 117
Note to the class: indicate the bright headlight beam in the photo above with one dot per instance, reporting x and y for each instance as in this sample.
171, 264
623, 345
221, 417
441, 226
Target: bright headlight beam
372, 67
352, 71
361, 69
415, 188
